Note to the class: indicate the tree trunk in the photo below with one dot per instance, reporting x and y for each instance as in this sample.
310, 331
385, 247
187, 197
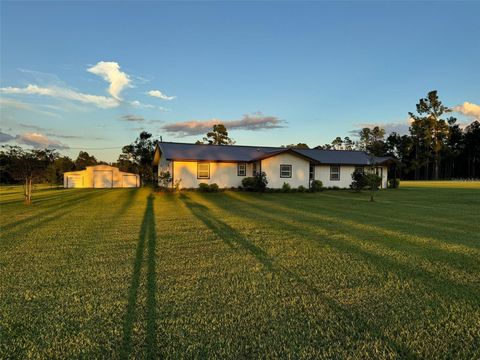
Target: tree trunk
436, 168
28, 191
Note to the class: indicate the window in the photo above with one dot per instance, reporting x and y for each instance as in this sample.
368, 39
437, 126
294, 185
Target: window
334, 172
285, 171
203, 171
242, 169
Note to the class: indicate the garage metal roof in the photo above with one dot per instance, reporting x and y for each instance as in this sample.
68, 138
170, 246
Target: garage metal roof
238, 153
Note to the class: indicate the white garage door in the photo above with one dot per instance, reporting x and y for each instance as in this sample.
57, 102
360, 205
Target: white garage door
74, 181
129, 181
102, 178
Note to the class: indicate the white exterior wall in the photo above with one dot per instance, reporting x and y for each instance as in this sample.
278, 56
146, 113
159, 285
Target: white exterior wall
221, 173
322, 173
300, 170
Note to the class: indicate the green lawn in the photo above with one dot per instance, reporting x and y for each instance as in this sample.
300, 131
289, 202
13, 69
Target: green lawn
442, 184
126, 273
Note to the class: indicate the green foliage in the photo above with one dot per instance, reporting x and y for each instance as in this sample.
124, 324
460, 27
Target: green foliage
286, 187
373, 181
164, 180
302, 189
248, 183
203, 187
359, 180
394, 183
258, 182
214, 187
138, 156
316, 186
218, 136
84, 159
116, 273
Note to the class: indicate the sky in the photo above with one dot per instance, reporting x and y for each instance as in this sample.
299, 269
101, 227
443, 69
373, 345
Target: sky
90, 76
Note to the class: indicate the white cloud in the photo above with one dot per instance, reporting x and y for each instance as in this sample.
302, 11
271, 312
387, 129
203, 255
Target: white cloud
40, 141
63, 93
160, 95
468, 109
138, 104
110, 72
251, 122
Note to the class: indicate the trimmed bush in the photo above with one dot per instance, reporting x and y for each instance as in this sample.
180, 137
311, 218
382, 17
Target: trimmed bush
248, 183
202, 187
302, 189
255, 183
359, 180
286, 187
214, 187
316, 186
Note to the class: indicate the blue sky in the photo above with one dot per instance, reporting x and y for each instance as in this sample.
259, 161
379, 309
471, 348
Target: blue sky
78, 75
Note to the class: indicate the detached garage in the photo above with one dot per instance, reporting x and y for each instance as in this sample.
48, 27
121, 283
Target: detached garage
100, 176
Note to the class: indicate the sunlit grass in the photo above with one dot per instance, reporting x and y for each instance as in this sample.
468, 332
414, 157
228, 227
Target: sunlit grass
442, 184
126, 273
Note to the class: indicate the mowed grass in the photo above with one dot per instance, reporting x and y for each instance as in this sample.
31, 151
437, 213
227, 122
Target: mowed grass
125, 273
441, 184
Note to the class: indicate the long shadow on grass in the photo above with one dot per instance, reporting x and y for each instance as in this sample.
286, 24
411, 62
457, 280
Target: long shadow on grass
231, 236
148, 236
441, 285
439, 247
225, 232
41, 219
64, 202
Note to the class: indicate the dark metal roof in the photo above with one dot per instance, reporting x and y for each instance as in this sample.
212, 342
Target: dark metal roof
237, 153
342, 157
202, 152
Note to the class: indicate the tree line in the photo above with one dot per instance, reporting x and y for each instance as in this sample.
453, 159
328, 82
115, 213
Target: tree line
437, 147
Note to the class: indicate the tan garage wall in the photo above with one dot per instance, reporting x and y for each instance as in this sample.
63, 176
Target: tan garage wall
100, 176
300, 171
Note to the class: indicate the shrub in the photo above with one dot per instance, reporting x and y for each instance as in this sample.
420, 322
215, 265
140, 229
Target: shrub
164, 179
286, 187
203, 187
260, 181
394, 183
360, 180
255, 183
302, 189
248, 183
316, 186
213, 187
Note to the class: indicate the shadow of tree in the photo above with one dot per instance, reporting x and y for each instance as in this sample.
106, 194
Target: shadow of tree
228, 234
147, 237
225, 232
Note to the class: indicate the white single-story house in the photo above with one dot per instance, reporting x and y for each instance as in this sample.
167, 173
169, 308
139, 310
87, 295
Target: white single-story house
100, 176
228, 165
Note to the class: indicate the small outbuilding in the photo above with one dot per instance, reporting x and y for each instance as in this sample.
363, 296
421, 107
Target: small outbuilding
100, 176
